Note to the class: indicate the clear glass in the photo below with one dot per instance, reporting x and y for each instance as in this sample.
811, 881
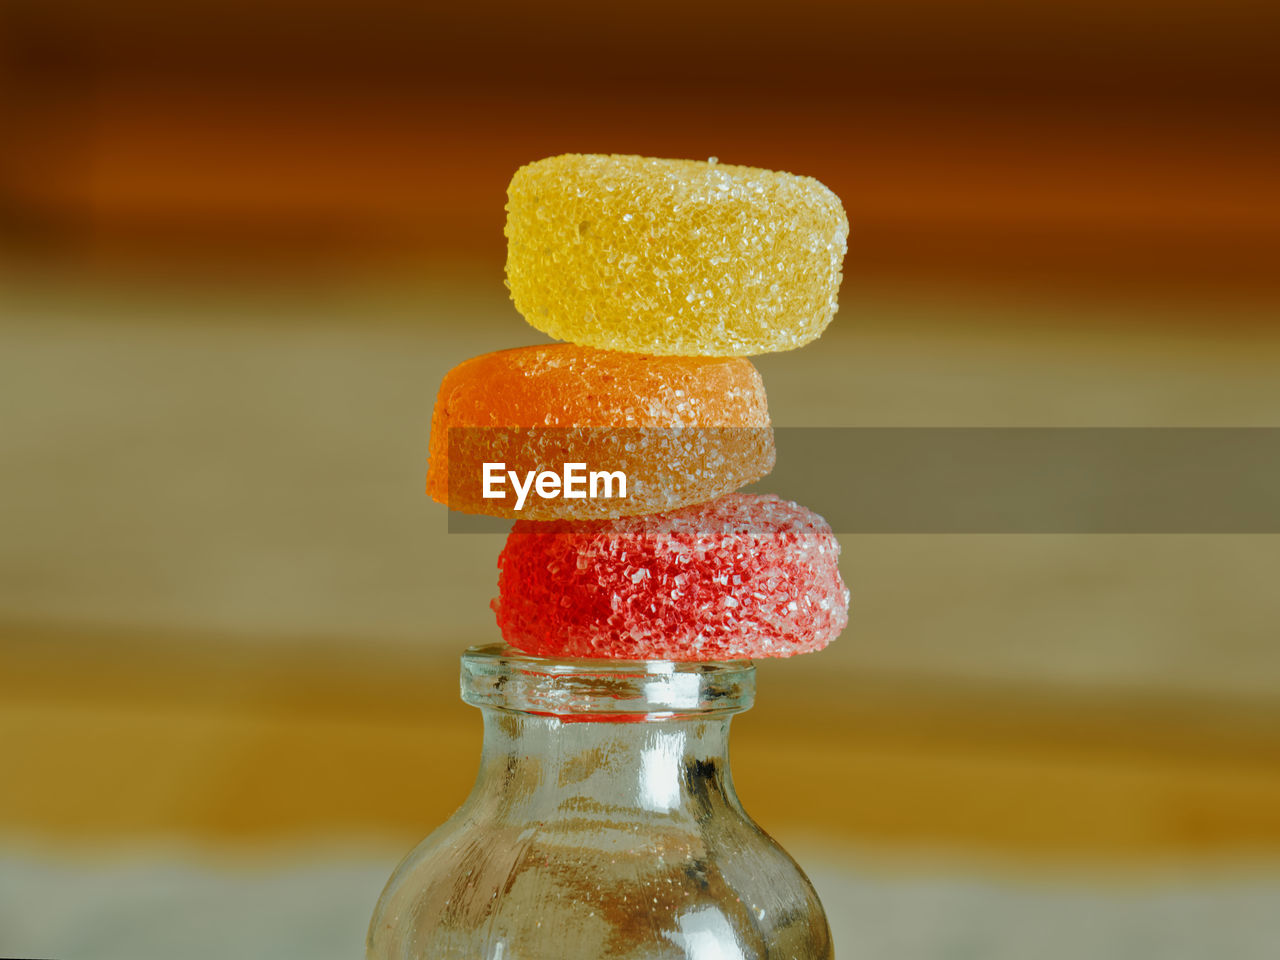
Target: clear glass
603, 825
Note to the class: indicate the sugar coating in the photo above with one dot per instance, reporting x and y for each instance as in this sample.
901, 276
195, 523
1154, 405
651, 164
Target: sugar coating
744, 576
673, 256
682, 429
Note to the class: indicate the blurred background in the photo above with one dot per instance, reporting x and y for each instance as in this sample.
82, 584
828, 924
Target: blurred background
241, 244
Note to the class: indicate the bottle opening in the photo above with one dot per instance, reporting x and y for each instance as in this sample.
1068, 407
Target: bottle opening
604, 690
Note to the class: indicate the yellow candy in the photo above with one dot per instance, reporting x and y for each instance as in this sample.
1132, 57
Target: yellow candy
673, 256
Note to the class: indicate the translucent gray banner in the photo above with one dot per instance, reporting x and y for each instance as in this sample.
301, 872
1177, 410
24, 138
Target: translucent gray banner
1021, 480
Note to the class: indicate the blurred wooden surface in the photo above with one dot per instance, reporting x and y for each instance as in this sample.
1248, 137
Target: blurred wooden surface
228, 613
116, 740
248, 467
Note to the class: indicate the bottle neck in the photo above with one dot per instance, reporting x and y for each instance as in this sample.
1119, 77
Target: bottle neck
532, 762
600, 738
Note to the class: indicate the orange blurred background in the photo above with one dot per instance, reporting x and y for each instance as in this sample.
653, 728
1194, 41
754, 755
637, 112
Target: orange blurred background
1066, 143
243, 242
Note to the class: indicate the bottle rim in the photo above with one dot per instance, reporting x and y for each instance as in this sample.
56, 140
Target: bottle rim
602, 689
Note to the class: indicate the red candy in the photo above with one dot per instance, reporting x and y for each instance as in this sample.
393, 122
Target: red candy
743, 576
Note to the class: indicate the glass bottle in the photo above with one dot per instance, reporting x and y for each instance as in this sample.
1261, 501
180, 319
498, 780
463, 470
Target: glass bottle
603, 825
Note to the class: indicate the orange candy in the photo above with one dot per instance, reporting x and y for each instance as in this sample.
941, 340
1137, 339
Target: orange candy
682, 430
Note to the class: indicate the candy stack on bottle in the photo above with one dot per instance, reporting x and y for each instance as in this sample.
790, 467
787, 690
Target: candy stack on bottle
662, 276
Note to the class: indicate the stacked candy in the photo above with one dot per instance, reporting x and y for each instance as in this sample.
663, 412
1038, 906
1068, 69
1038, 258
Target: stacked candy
662, 275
